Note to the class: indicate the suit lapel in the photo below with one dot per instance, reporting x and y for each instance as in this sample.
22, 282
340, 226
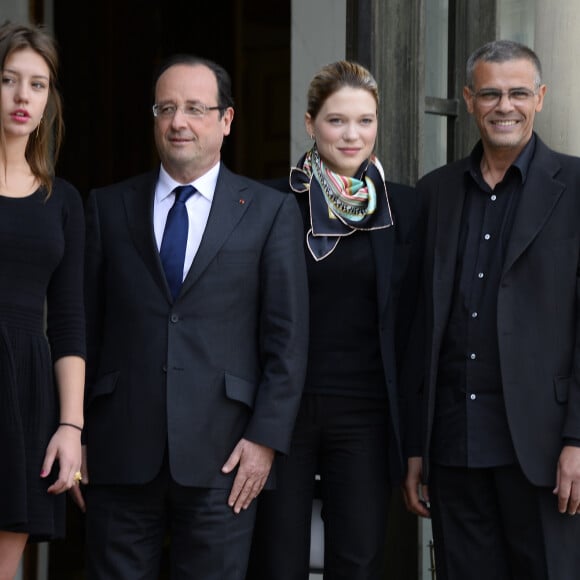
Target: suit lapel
383, 243
138, 201
539, 195
231, 200
447, 226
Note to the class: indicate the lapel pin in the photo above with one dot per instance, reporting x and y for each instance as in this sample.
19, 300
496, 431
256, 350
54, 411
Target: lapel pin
241, 201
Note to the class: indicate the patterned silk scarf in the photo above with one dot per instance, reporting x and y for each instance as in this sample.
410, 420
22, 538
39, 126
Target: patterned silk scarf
340, 205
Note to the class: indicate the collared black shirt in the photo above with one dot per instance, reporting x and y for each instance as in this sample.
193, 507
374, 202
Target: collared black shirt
470, 427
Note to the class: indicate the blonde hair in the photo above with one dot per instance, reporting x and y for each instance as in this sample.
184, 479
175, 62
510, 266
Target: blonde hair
335, 76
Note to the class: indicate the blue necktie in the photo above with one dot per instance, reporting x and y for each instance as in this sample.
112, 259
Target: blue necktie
174, 240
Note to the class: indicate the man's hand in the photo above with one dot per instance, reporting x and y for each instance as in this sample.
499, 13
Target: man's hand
75, 491
415, 494
568, 481
255, 462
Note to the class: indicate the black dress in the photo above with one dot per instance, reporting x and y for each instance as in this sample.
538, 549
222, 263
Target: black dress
41, 264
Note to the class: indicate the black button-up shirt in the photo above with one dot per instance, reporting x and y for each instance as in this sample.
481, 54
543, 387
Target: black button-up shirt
470, 426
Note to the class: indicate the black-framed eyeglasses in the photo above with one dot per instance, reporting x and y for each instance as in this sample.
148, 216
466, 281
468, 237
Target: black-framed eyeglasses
197, 110
491, 97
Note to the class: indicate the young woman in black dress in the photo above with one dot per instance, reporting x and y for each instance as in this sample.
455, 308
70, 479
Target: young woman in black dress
42, 346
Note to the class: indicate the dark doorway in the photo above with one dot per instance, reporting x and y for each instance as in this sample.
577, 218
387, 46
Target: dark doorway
108, 61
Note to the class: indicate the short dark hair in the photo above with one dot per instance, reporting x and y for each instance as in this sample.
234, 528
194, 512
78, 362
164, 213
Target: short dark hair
502, 51
224, 82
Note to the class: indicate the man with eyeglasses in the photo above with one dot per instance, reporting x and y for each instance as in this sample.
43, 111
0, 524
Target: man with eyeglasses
494, 414
197, 317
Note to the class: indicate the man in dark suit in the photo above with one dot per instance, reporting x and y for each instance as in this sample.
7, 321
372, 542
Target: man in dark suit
496, 441
193, 383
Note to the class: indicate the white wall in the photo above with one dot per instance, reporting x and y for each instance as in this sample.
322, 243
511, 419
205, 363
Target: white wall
557, 43
318, 38
516, 20
14, 10
552, 29
17, 11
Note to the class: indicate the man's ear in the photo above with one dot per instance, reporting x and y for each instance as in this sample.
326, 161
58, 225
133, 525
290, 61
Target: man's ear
468, 98
540, 97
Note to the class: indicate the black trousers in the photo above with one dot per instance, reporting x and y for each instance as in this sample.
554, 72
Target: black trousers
127, 526
493, 524
345, 440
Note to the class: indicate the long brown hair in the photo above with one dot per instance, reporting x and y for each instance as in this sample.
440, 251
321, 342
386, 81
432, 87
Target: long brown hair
44, 143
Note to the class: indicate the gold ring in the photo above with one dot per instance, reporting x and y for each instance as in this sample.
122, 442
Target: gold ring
77, 477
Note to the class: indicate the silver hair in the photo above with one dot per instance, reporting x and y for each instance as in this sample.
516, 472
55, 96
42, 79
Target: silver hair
502, 51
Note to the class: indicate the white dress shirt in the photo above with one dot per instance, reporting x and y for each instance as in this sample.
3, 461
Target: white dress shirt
198, 207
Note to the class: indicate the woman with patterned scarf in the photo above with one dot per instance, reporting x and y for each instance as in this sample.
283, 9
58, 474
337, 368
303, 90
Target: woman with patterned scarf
358, 230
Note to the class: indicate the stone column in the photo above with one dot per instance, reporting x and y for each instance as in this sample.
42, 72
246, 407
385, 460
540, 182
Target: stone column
14, 10
318, 38
557, 43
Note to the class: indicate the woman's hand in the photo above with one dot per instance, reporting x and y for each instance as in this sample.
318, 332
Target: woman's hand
64, 445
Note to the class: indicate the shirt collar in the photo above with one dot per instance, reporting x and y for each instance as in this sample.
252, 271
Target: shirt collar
525, 157
205, 184
522, 163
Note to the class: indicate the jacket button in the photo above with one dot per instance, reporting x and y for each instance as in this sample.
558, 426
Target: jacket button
174, 318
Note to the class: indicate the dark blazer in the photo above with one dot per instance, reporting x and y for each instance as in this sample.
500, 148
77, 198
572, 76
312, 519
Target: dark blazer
397, 265
226, 360
538, 308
